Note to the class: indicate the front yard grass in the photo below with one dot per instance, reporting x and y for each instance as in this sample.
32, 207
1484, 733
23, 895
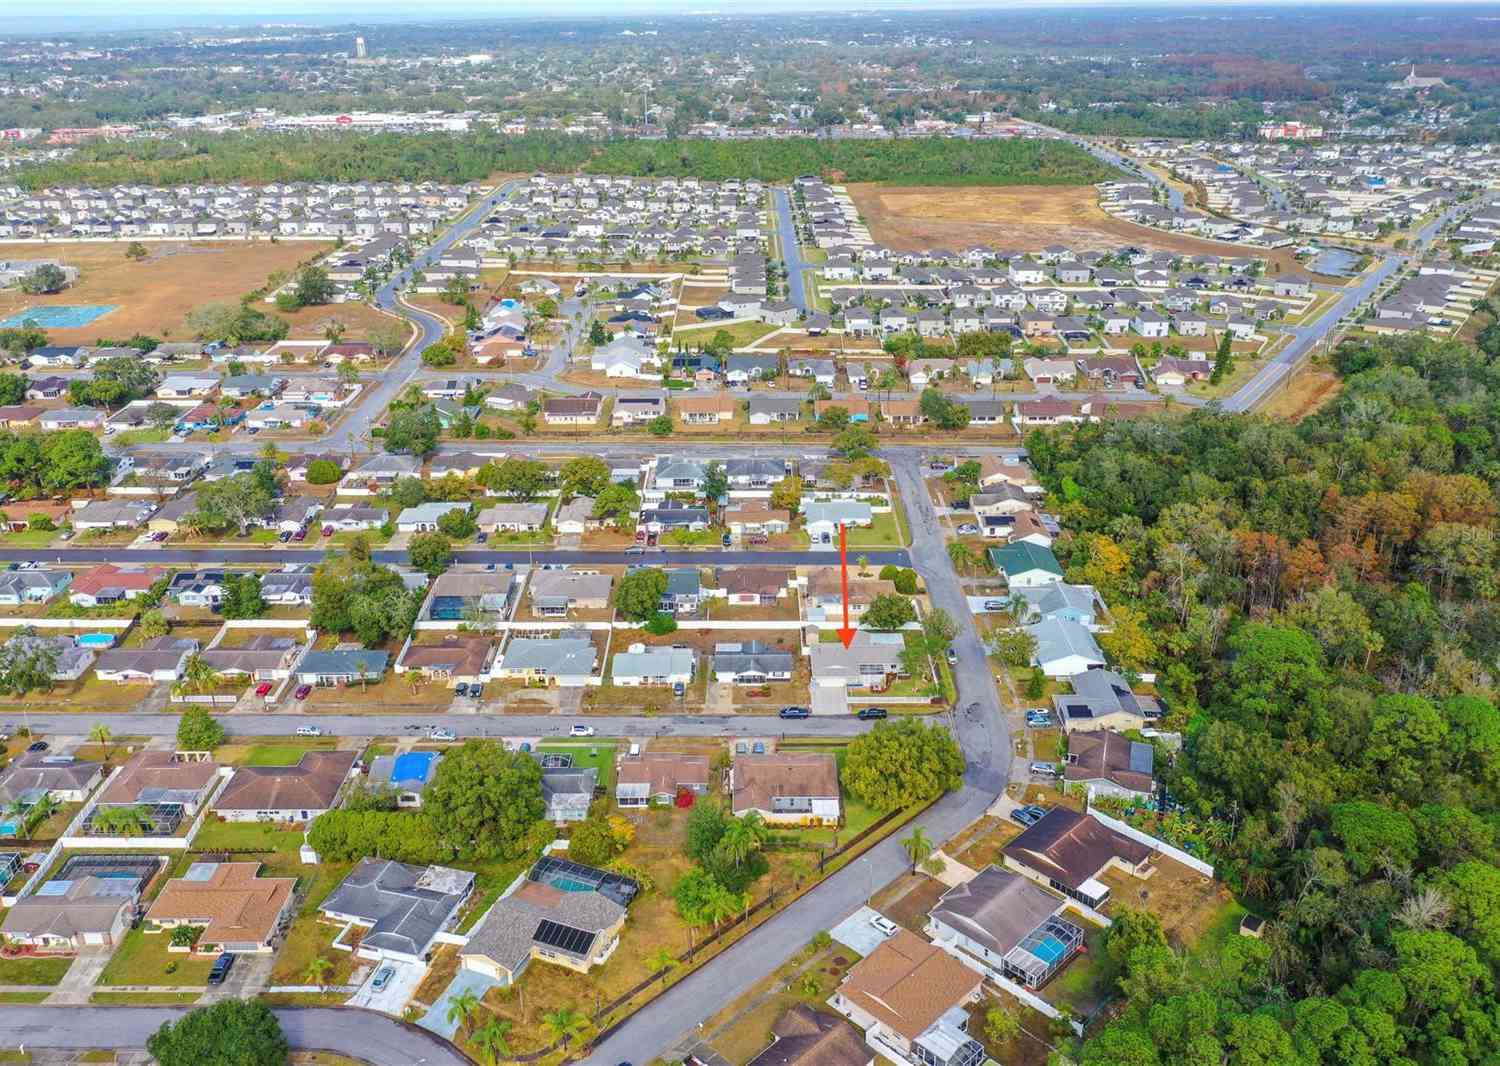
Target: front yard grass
883, 532
143, 959
600, 755
286, 754
34, 969
307, 939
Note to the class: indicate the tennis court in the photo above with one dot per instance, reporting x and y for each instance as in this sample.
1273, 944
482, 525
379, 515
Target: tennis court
58, 316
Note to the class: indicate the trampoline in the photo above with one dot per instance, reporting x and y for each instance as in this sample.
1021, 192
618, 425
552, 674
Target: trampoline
58, 316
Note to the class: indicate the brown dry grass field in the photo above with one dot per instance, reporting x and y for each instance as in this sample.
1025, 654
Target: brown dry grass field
1307, 391
154, 295
1021, 217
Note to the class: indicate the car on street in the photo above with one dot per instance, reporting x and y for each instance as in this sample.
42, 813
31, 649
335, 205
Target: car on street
635, 550
795, 712
439, 733
309, 731
871, 714
581, 731
382, 978
952, 656
303, 691
222, 965
263, 689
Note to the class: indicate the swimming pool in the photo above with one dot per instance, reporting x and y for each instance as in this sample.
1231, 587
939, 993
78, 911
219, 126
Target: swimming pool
96, 640
1049, 949
567, 884
58, 316
509, 304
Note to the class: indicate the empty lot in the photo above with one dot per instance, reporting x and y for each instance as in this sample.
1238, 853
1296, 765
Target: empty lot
153, 296
1024, 218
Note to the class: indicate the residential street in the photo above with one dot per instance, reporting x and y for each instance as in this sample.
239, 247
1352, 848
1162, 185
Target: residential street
365, 1036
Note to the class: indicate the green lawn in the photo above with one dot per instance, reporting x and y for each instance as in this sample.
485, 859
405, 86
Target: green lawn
218, 835
586, 753
24, 997
33, 970
282, 754
140, 436
883, 532
143, 959
29, 538
145, 999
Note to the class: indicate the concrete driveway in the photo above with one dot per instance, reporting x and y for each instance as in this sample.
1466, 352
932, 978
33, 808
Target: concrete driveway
857, 934
391, 999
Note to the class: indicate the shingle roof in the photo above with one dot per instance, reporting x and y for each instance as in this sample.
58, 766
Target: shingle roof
310, 785
908, 984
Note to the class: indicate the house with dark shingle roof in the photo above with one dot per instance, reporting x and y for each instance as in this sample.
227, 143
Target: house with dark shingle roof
401, 908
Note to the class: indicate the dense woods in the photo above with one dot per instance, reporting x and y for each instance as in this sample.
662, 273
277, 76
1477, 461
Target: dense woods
264, 157
1320, 603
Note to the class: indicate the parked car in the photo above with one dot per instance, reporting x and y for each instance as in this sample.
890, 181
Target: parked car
635, 549
303, 691
1044, 769
439, 733
37, 745
725, 540
462, 688
222, 965
884, 924
301, 534
581, 731
968, 529
382, 978
795, 712
309, 731
1029, 815
327, 531
952, 656
476, 690
263, 689
994, 605
870, 714
284, 536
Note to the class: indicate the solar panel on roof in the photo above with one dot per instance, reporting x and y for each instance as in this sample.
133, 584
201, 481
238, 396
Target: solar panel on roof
563, 937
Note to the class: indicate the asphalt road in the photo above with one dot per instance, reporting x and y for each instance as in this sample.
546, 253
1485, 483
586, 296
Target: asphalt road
466, 726
362, 1035
791, 250
985, 739
685, 556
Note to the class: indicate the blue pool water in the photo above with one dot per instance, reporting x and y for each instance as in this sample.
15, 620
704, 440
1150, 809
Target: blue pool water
567, 884
413, 766
58, 316
1049, 950
509, 304
96, 640
10, 829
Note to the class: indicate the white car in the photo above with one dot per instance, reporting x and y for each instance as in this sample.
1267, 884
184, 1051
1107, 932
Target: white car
884, 925
309, 731
581, 731
442, 734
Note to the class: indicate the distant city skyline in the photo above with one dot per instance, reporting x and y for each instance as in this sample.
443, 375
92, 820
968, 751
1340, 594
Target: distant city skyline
104, 15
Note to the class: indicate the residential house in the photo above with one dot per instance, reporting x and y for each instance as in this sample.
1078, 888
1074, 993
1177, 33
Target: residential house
568, 792
806, 1037
1058, 599
1067, 851
513, 518
236, 909
769, 410
751, 663
706, 410
460, 591
400, 908
1008, 923
151, 778
870, 661
407, 775
659, 777
582, 410
822, 520
752, 586
1023, 564
555, 593
1101, 699
574, 928
32, 775
786, 788
755, 518
684, 591
456, 660
566, 661
296, 793
1106, 763
72, 661
424, 517
1064, 648
910, 998
19, 588
160, 659
342, 666
112, 514
79, 912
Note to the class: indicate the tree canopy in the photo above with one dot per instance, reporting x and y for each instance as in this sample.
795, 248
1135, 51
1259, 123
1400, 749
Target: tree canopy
483, 799
902, 762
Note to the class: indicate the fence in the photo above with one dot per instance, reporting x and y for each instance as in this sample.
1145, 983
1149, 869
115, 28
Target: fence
1161, 846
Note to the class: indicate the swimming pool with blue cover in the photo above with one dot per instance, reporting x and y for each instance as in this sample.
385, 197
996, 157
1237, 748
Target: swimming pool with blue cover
58, 316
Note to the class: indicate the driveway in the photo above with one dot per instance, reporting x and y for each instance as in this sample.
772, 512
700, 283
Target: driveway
436, 1017
78, 983
857, 934
391, 999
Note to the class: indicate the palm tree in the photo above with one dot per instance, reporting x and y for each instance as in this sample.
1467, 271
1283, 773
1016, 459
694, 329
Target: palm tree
918, 846
743, 838
15, 811
318, 969
45, 807
198, 676
564, 1023
461, 1007
125, 821
490, 1039
102, 735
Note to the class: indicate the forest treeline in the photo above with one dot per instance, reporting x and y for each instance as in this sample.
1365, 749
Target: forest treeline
266, 157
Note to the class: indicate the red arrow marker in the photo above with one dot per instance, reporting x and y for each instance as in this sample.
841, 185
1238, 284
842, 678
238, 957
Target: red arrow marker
846, 634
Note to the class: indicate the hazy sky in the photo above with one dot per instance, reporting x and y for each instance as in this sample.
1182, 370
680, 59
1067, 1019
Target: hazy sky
32, 15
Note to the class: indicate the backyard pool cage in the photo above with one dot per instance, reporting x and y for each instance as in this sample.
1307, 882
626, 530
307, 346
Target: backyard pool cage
1042, 952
